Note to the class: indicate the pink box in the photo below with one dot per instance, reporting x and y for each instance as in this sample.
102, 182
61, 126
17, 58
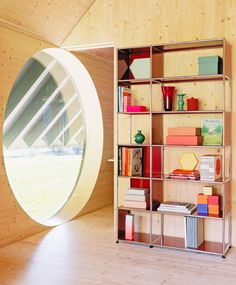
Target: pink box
214, 200
136, 108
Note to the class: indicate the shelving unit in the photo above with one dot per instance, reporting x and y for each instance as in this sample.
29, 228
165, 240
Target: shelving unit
175, 64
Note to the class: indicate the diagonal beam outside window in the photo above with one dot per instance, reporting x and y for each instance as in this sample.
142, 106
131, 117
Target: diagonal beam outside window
56, 118
41, 110
17, 110
75, 135
66, 127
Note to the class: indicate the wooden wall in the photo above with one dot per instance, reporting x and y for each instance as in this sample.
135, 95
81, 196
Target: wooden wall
101, 71
15, 49
132, 23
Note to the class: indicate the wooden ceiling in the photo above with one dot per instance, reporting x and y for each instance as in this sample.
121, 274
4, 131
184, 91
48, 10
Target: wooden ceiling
50, 20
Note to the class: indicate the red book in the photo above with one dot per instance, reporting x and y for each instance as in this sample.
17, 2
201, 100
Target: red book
184, 131
156, 162
136, 109
184, 140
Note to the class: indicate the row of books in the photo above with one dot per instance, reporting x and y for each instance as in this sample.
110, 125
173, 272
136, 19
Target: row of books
130, 161
124, 98
178, 207
194, 232
184, 174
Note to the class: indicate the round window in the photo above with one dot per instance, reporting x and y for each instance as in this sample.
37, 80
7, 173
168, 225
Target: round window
48, 136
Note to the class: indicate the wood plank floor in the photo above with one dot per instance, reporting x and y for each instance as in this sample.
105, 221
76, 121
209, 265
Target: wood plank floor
84, 251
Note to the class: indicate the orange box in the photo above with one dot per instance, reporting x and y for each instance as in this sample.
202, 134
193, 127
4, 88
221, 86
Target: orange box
202, 199
213, 209
184, 131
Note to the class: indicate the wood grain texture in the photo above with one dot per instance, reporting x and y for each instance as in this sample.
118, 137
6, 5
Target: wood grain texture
46, 19
84, 252
15, 49
101, 72
164, 21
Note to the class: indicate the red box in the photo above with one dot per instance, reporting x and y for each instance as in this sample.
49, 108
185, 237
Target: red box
202, 199
136, 109
184, 140
214, 200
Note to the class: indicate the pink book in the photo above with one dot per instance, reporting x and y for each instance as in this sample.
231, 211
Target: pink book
184, 131
135, 204
129, 226
127, 98
136, 108
184, 140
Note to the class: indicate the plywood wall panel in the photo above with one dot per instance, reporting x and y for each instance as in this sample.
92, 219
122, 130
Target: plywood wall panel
134, 23
15, 49
101, 71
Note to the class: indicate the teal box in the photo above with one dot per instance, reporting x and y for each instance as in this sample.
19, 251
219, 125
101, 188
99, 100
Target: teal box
210, 65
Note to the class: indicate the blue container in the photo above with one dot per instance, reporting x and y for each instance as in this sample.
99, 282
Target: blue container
202, 209
210, 65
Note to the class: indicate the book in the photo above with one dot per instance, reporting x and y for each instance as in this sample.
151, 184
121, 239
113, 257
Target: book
184, 140
184, 131
212, 131
129, 226
134, 161
183, 205
192, 208
119, 161
131, 197
137, 191
136, 204
126, 95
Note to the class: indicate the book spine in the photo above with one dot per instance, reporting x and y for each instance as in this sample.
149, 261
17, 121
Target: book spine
123, 161
119, 161
129, 162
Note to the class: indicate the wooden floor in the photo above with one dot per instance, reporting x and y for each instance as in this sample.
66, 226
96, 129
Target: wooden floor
84, 252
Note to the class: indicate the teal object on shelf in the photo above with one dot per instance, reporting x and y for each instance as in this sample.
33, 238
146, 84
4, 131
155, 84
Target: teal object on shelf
210, 65
139, 137
181, 102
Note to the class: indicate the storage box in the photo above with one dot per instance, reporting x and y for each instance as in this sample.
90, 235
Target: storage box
202, 209
214, 200
184, 140
184, 131
214, 209
207, 190
210, 167
210, 65
134, 109
202, 199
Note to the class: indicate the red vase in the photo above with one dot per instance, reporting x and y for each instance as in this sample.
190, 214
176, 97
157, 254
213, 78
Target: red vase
168, 92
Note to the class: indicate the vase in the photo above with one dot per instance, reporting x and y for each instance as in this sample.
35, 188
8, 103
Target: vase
168, 92
181, 102
139, 137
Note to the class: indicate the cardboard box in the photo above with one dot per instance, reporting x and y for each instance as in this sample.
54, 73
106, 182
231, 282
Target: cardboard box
184, 140
184, 131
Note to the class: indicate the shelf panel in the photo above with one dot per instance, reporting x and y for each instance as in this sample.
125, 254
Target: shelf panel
135, 145
134, 177
138, 238
188, 112
190, 78
141, 81
134, 209
213, 43
176, 242
195, 214
188, 146
133, 113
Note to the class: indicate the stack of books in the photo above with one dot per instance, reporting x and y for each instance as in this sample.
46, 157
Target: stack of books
178, 207
137, 198
130, 161
184, 136
124, 98
194, 232
184, 174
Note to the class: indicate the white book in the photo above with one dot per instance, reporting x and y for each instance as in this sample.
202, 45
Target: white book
129, 197
137, 191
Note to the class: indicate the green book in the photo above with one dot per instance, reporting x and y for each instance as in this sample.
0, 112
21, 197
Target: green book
212, 131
